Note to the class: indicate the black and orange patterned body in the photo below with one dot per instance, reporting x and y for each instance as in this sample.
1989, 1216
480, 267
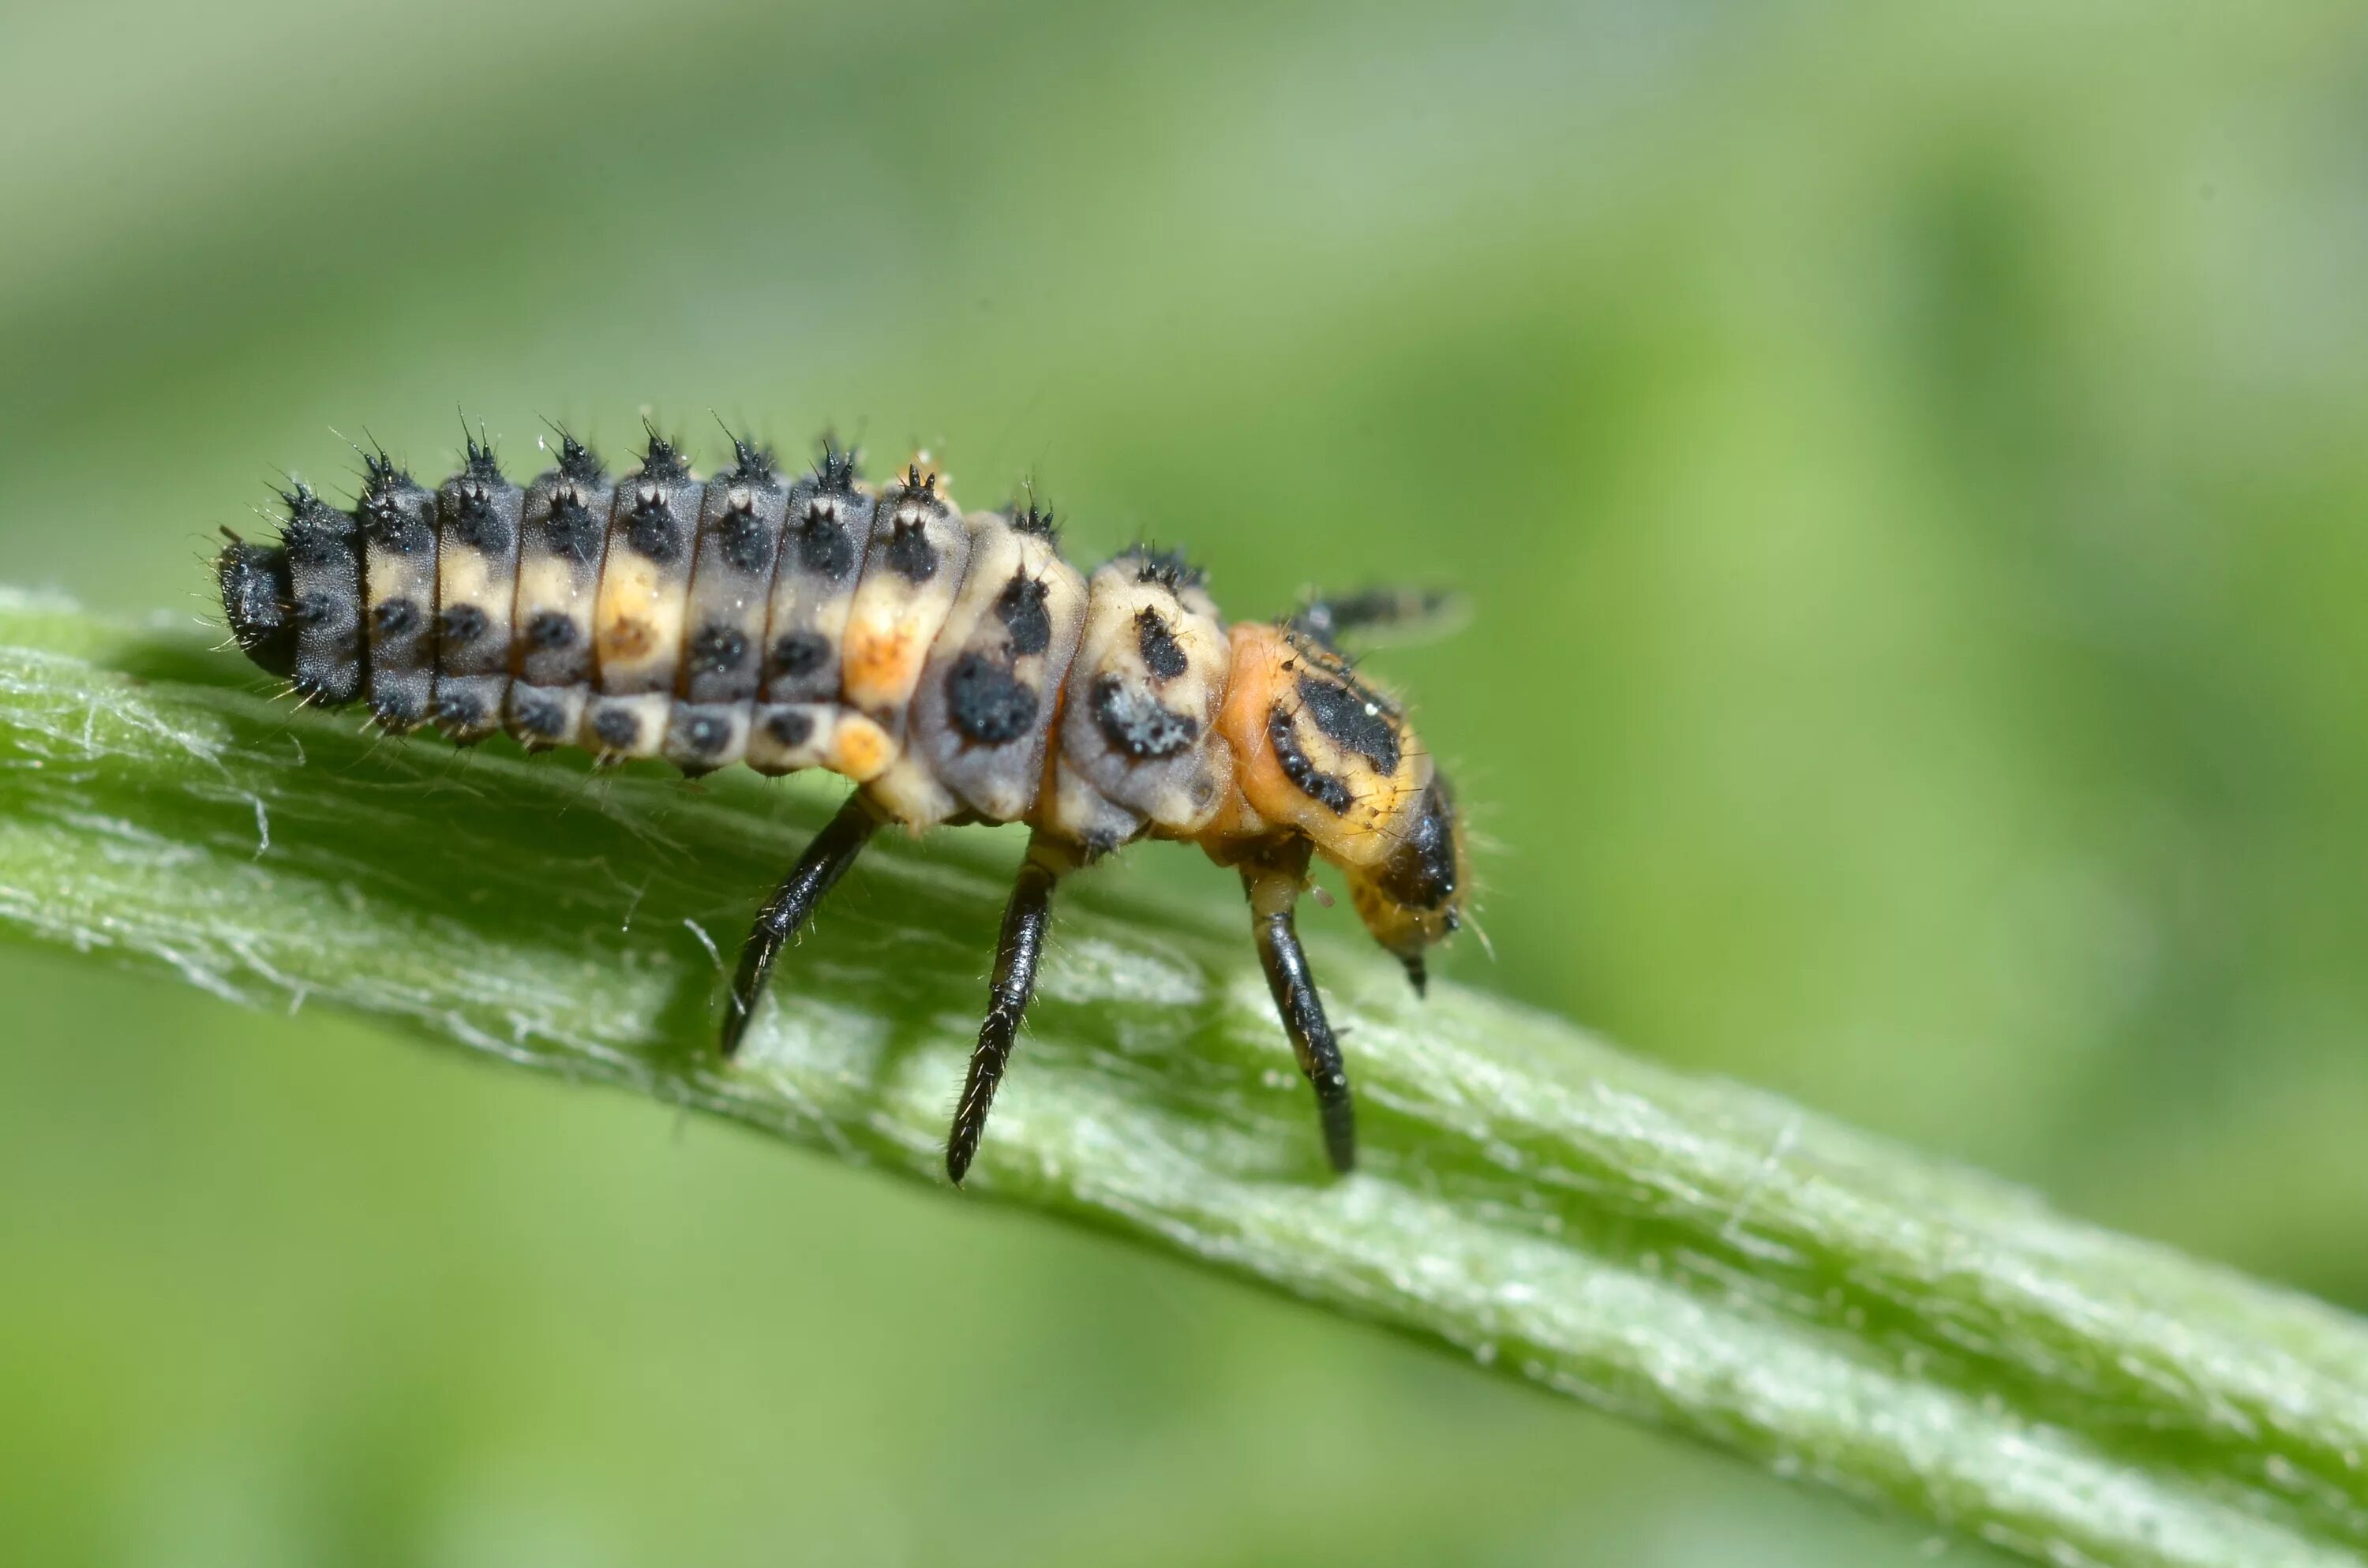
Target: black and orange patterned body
953, 665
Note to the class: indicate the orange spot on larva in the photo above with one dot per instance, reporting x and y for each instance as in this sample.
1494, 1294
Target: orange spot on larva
882, 666
859, 750
626, 638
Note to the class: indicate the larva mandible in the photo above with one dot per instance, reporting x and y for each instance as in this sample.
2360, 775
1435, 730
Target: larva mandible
953, 665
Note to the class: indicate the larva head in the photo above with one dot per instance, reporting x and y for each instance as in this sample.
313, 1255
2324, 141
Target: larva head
1414, 898
1321, 751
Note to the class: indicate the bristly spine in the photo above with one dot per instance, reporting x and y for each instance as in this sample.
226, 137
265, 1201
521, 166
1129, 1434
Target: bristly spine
480, 462
835, 469
1032, 518
577, 461
382, 475
299, 499
919, 486
1167, 567
753, 462
661, 460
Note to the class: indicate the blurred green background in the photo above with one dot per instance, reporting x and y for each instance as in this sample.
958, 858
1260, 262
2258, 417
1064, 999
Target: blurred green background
1909, 465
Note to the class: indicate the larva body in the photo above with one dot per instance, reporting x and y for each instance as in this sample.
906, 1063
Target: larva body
953, 665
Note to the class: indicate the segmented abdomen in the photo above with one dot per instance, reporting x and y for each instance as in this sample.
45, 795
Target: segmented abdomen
932, 657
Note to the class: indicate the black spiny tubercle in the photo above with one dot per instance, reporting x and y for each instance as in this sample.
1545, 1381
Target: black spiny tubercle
1168, 568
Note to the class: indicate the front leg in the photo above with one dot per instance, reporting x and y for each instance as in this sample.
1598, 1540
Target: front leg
1274, 878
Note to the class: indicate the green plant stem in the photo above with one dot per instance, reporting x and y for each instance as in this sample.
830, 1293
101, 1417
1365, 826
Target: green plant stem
1675, 1250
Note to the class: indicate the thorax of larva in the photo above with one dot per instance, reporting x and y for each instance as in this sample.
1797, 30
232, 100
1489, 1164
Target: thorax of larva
1317, 750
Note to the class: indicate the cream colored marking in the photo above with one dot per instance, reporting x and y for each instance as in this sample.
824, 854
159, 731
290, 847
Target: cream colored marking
640, 625
390, 577
912, 795
463, 576
1074, 810
549, 583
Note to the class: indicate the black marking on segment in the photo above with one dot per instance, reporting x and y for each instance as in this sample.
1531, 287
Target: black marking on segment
459, 710
1137, 723
986, 703
475, 523
747, 547
910, 554
718, 650
258, 603
541, 716
1325, 789
824, 548
395, 618
468, 498
461, 625
1353, 718
616, 729
799, 652
1162, 655
788, 728
708, 734
550, 630
572, 531
320, 609
1026, 919
651, 530
1020, 607
397, 709
1034, 519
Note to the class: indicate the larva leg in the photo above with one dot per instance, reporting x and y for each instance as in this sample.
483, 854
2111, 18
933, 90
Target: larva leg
1273, 881
1026, 920
834, 849
1380, 615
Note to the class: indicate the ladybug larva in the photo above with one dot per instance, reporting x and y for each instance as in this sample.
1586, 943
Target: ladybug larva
953, 665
